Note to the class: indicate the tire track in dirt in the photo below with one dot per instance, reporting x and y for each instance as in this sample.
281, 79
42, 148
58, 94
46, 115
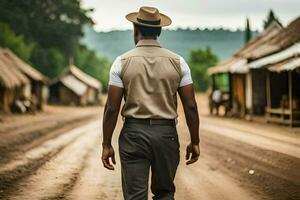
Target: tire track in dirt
18, 169
44, 119
203, 181
211, 184
274, 175
276, 164
58, 175
262, 142
96, 182
72, 180
23, 122
15, 142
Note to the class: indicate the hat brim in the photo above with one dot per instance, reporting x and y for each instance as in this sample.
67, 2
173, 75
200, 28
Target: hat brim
164, 21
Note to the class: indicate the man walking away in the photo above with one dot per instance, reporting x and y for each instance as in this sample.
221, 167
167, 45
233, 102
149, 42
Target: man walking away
149, 78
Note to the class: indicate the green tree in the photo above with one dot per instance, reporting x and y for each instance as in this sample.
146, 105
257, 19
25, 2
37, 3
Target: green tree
248, 31
270, 18
92, 64
51, 62
55, 26
9, 39
51, 23
199, 61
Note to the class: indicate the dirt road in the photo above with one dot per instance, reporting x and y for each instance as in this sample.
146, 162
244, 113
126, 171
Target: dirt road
62, 161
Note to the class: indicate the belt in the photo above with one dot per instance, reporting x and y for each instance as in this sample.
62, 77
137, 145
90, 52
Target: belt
171, 122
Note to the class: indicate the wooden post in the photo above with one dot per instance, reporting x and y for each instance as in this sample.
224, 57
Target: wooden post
248, 95
244, 109
213, 82
252, 98
230, 90
290, 79
268, 89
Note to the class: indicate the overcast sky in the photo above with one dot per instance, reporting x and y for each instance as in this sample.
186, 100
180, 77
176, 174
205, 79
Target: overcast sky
194, 13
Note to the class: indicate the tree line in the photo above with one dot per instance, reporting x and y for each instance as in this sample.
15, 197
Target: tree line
201, 59
46, 34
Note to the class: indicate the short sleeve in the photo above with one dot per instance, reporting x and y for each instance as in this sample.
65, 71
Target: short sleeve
115, 73
186, 77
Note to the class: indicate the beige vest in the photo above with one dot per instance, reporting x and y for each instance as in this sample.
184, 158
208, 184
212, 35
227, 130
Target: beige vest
151, 77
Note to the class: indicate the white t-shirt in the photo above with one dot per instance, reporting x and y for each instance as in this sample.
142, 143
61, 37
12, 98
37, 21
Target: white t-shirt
115, 73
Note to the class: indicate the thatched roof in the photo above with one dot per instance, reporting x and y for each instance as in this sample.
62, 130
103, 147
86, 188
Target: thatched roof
286, 65
272, 40
287, 44
10, 75
22, 66
261, 41
284, 39
85, 78
246, 52
292, 51
289, 35
74, 84
222, 67
14, 72
234, 64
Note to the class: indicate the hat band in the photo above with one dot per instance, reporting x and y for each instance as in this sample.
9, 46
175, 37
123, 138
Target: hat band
156, 22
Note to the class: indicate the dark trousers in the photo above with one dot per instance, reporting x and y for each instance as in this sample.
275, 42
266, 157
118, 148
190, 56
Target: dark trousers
145, 146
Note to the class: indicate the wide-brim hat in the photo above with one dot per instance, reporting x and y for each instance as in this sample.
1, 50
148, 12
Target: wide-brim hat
149, 16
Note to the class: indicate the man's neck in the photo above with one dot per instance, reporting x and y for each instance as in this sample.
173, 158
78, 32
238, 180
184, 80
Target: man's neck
148, 38
144, 38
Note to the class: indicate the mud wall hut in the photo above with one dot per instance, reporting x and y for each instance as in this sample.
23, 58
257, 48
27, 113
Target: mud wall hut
74, 87
19, 81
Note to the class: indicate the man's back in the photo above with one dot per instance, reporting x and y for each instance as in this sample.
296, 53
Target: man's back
151, 76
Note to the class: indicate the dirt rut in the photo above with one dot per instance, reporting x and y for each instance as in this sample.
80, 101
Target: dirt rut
68, 166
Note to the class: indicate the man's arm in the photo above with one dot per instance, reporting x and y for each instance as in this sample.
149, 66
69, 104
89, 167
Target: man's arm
110, 117
187, 96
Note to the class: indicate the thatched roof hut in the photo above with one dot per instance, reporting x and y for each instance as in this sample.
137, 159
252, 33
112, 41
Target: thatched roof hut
10, 76
87, 79
18, 79
75, 87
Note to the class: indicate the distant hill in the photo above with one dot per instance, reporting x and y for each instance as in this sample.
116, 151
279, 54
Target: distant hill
222, 42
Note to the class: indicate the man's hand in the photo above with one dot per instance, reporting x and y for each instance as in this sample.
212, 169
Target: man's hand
192, 153
108, 152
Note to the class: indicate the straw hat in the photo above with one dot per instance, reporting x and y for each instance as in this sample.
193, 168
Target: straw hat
149, 16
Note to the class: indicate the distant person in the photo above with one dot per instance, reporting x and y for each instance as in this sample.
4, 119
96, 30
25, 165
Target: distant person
149, 78
217, 99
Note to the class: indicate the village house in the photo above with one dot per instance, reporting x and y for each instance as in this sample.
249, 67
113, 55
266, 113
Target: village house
281, 60
264, 75
74, 87
242, 99
21, 84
